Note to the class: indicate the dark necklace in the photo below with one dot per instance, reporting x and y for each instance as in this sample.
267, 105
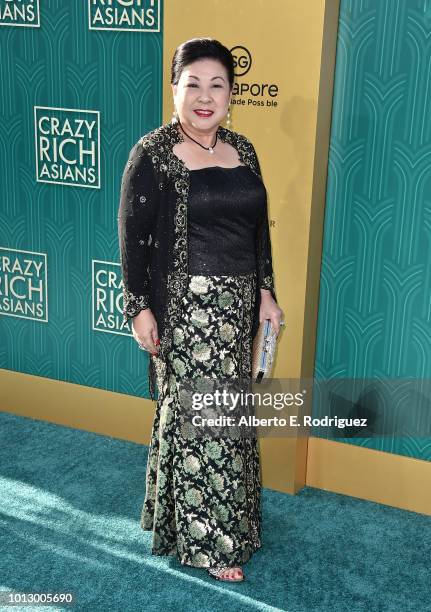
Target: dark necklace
209, 149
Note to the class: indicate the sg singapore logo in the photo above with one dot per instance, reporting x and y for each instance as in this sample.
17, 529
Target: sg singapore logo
250, 93
242, 60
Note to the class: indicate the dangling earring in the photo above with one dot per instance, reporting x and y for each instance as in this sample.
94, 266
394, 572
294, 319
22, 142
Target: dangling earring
175, 116
228, 120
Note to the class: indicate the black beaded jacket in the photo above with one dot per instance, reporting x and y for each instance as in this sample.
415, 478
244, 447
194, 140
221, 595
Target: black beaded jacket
152, 231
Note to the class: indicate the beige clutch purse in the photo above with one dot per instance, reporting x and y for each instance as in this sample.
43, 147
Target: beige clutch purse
264, 346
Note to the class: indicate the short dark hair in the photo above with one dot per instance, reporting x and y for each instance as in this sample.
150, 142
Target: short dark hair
201, 48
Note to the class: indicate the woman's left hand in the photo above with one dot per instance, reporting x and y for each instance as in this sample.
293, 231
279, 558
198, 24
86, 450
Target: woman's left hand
269, 309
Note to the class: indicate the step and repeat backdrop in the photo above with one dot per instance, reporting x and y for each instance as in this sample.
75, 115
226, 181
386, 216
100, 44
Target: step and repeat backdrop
80, 83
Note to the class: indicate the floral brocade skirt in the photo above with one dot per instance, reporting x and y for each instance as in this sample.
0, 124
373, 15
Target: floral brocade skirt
202, 499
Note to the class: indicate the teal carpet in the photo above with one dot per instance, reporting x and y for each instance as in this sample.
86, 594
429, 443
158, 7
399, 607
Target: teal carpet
70, 505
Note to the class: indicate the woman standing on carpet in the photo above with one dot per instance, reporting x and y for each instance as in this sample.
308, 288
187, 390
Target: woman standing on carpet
197, 275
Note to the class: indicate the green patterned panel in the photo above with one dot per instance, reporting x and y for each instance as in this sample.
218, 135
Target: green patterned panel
80, 83
375, 292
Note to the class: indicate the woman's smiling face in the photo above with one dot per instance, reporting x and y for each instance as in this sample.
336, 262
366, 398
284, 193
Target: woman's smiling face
202, 94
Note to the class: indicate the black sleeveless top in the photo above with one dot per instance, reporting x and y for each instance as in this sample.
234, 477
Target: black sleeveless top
224, 207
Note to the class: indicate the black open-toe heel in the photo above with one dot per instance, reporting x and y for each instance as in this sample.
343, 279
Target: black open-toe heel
217, 572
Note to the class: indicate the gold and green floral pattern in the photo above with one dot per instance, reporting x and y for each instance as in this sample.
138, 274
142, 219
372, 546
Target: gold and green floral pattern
202, 497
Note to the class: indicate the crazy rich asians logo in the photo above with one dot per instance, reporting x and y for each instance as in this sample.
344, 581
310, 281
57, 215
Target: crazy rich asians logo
20, 13
131, 15
67, 146
23, 284
107, 292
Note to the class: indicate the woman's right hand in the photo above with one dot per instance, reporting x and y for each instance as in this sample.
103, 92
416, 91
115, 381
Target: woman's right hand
144, 329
